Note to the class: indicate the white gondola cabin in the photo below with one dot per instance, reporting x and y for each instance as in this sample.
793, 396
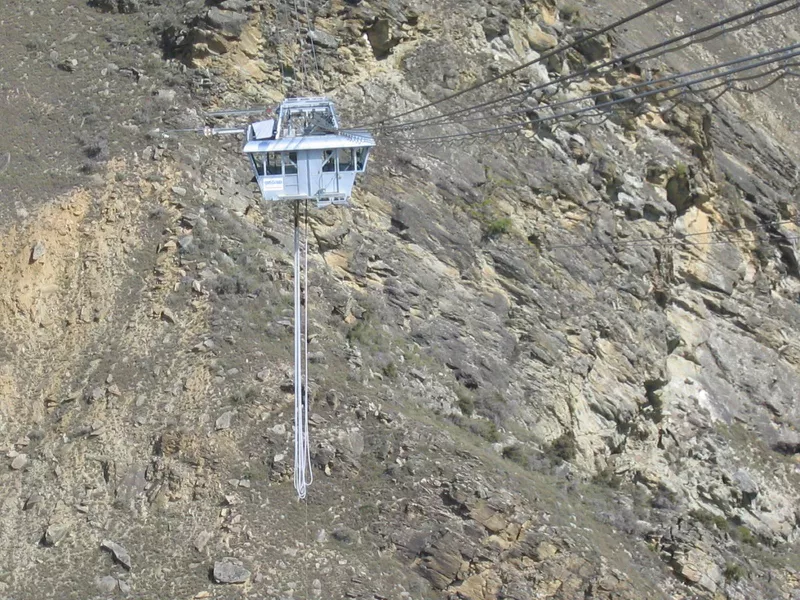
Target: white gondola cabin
303, 155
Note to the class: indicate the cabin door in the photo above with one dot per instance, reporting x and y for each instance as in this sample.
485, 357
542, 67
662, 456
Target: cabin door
291, 174
329, 173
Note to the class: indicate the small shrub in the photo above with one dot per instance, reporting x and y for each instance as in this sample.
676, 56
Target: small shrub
681, 170
390, 370
486, 429
249, 394
709, 520
608, 478
570, 12
363, 333
499, 227
515, 454
466, 402
563, 448
734, 572
744, 535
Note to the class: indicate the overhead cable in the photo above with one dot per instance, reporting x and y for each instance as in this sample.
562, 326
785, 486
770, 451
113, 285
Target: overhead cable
311, 32
753, 15
557, 50
299, 35
621, 90
783, 54
673, 236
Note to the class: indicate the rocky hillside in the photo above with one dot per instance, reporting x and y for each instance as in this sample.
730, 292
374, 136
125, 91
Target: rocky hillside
535, 373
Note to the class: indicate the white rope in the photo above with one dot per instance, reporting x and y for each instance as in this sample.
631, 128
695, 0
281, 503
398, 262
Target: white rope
303, 476
307, 406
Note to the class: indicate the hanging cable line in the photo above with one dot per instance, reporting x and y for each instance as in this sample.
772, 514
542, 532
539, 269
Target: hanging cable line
311, 31
784, 54
609, 109
618, 90
753, 15
673, 236
298, 34
543, 57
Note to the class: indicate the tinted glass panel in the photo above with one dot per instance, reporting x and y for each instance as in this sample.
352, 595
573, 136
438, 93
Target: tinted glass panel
361, 158
273, 164
258, 162
290, 163
328, 161
346, 162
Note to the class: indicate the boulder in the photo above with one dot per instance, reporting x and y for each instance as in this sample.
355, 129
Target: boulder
228, 23
230, 570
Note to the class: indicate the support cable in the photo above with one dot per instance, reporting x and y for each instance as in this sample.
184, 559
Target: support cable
676, 237
543, 57
622, 89
298, 33
788, 53
649, 53
311, 30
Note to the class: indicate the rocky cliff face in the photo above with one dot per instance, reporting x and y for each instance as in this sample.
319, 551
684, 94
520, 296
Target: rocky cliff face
515, 396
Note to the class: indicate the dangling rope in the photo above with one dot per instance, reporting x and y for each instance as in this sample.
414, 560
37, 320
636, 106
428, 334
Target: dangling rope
303, 476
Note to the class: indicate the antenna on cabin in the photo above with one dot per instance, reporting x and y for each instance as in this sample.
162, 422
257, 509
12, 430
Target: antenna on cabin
300, 155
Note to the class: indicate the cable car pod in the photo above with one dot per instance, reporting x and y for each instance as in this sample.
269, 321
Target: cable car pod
303, 155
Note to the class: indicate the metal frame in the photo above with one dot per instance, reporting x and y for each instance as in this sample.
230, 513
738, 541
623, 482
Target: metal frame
307, 128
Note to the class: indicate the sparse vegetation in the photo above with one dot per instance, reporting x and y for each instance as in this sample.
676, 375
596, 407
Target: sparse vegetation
466, 401
499, 227
744, 535
608, 478
390, 370
485, 429
562, 448
709, 519
515, 453
734, 572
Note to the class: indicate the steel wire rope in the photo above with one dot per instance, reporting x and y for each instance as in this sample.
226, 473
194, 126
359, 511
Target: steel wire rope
616, 102
311, 31
675, 236
607, 277
299, 36
682, 97
623, 89
638, 110
620, 61
665, 245
557, 50
616, 108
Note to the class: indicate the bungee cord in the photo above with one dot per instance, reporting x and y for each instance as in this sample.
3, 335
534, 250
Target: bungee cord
303, 475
